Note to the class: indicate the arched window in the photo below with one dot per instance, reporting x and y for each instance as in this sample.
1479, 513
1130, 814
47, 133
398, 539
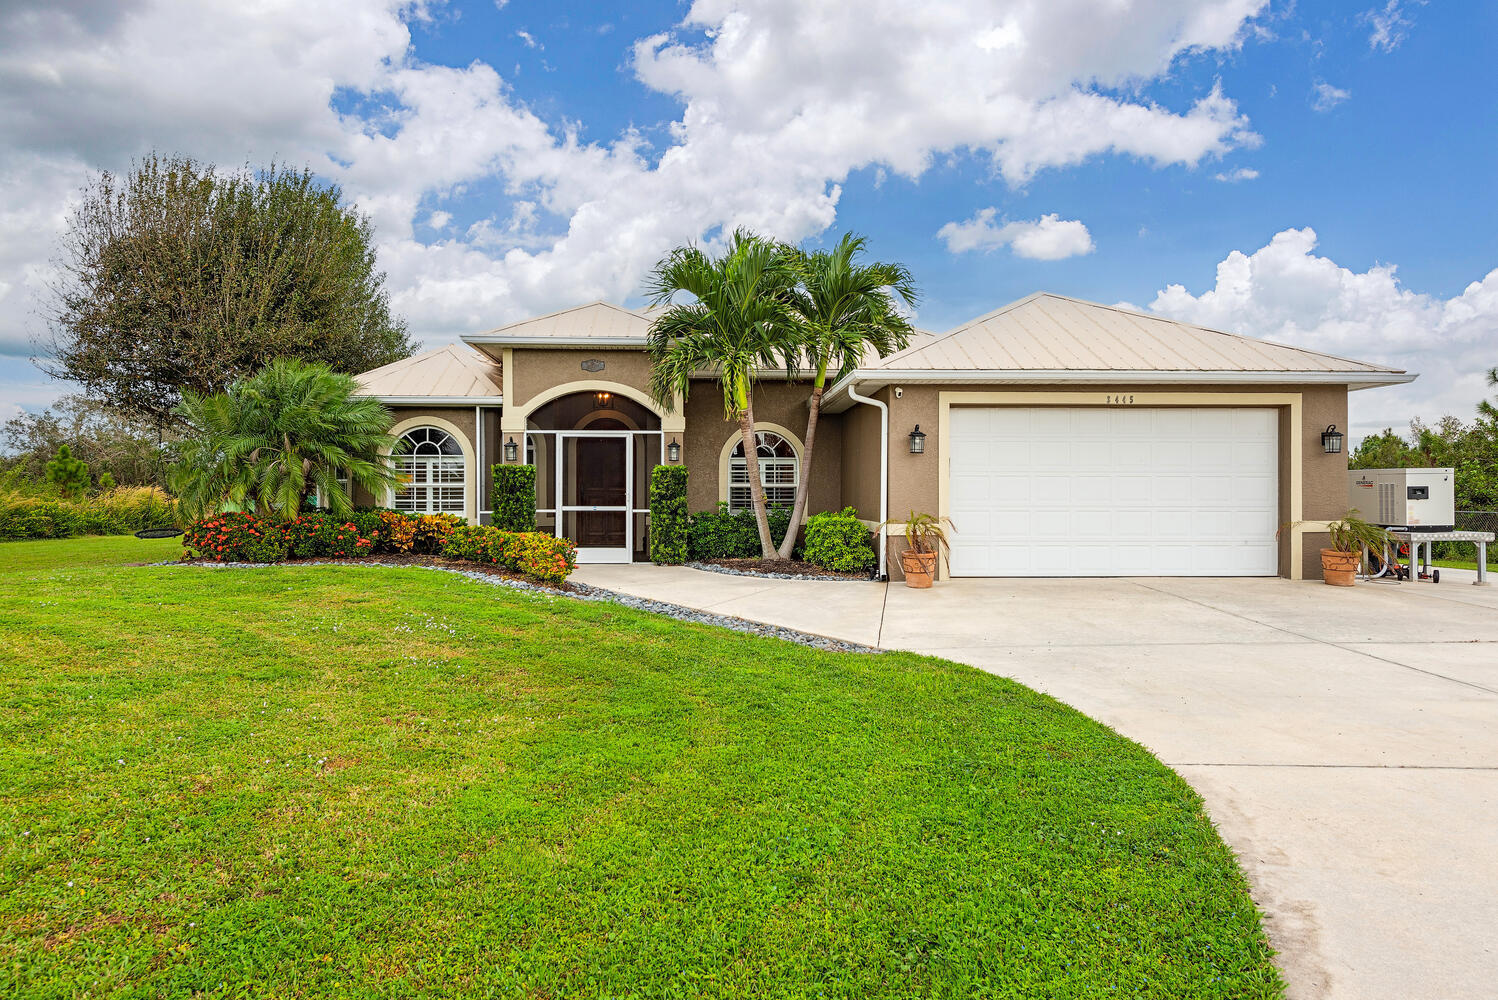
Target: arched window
431, 462
779, 471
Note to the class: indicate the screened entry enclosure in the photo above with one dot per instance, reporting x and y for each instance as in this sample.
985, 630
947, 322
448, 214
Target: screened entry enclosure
593, 452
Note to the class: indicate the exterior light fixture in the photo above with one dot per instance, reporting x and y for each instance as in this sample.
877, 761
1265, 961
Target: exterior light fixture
673, 451
603, 400
512, 450
917, 441
1331, 440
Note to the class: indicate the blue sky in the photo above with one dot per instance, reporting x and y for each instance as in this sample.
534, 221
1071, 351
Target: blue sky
1314, 173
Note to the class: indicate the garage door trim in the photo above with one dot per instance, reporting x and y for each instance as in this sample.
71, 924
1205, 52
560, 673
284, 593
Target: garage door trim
1111, 399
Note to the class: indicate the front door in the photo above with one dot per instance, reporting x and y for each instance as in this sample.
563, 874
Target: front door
595, 489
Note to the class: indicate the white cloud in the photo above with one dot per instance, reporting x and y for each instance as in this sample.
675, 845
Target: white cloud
1284, 292
1388, 25
779, 100
529, 39
1046, 238
1237, 174
1324, 96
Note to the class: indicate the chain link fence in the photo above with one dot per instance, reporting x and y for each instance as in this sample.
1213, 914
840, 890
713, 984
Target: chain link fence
1470, 520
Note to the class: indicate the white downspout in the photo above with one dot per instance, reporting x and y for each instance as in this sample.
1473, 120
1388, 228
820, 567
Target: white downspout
883, 473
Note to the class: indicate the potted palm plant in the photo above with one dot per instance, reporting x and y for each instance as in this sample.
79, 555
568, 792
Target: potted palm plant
925, 540
1349, 537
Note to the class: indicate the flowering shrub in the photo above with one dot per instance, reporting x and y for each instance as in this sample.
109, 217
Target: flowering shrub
236, 537
536, 555
432, 531
315, 534
398, 533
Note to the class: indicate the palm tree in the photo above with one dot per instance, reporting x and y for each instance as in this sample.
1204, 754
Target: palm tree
275, 437
844, 308
737, 322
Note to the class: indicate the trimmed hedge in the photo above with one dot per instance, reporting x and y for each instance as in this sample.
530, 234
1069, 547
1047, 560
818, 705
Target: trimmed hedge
721, 534
538, 556
241, 537
513, 498
838, 541
120, 511
669, 521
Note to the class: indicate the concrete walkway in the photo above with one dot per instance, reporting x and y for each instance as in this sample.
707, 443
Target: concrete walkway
1345, 741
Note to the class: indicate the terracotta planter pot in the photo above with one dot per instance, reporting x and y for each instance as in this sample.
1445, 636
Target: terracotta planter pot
919, 567
1337, 567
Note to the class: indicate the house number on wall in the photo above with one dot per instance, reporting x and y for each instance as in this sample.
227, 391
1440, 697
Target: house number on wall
1120, 400
592, 365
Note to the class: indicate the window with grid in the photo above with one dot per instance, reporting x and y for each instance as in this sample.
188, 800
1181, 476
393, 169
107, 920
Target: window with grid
431, 463
779, 471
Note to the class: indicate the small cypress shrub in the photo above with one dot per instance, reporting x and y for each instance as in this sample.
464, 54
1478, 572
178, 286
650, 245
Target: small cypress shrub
668, 515
513, 498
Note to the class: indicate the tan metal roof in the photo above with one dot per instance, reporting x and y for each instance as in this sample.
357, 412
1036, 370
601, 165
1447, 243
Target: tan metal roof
454, 372
596, 323
1047, 332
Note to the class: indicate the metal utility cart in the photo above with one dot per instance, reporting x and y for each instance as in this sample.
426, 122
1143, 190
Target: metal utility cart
1415, 539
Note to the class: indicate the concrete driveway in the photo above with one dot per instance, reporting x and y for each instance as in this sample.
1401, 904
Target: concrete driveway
1345, 741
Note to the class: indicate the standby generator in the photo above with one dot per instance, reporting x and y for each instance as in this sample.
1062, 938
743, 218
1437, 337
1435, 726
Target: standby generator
1423, 499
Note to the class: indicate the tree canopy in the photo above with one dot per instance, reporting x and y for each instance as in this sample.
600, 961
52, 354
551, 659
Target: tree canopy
180, 278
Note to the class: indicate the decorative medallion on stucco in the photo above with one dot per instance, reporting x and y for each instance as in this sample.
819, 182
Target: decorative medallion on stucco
592, 365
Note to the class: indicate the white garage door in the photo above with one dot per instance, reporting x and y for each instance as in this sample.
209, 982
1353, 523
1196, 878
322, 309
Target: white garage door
1114, 491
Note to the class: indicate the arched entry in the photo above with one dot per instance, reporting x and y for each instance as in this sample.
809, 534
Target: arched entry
593, 450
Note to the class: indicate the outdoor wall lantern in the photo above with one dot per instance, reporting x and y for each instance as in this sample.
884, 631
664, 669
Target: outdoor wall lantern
512, 450
673, 451
917, 441
1331, 440
603, 400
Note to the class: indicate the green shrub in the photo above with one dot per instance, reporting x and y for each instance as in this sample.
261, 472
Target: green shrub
838, 541
721, 534
534, 554
669, 520
236, 537
512, 499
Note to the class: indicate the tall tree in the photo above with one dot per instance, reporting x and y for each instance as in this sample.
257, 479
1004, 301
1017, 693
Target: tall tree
844, 308
111, 443
179, 278
737, 322
278, 436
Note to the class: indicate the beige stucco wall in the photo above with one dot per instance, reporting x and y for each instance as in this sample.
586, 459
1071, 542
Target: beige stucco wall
775, 402
538, 370
860, 478
915, 479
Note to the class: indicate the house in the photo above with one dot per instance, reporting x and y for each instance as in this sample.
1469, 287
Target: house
1062, 438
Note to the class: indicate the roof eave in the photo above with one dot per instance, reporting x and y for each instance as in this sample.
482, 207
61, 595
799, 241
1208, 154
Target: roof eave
880, 377
439, 400
507, 341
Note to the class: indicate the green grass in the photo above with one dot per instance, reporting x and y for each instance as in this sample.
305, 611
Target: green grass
355, 782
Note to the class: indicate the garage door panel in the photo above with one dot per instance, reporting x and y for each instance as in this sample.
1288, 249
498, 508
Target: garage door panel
1104, 491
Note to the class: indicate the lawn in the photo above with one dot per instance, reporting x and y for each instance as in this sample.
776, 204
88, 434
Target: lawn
356, 782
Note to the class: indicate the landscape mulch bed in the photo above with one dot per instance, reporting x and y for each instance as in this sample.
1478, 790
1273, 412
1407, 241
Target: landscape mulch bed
789, 567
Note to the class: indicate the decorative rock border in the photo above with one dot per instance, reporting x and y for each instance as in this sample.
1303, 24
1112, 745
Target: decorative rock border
587, 592
730, 571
